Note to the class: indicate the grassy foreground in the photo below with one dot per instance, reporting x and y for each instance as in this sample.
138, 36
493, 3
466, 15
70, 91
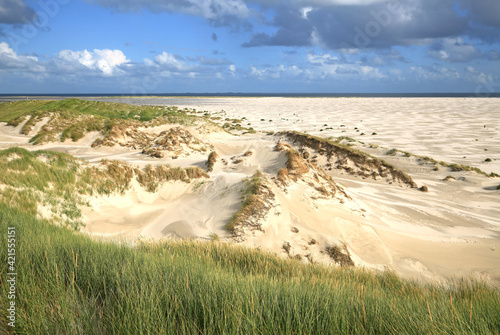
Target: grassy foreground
68, 283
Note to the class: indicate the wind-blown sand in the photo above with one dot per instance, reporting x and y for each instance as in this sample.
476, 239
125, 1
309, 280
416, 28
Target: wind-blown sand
452, 230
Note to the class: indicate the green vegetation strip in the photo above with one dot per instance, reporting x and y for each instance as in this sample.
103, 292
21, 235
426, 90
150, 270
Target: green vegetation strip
68, 283
251, 202
73, 118
453, 167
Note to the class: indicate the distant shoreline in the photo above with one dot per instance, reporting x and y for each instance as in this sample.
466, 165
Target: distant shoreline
15, 97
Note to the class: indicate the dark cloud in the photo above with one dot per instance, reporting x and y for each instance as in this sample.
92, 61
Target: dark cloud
374, 26
337, 24
294, 30
15, 12
230, 13
486, 12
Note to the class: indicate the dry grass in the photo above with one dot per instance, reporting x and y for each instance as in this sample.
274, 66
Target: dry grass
153, 177
295, 164
255, 206
212, 159
365, 164
340, 255
196, 173
283, 175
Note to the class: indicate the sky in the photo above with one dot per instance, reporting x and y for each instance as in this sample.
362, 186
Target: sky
249, 46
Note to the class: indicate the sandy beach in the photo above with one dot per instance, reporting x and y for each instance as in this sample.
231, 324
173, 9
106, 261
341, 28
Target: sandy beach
452, 230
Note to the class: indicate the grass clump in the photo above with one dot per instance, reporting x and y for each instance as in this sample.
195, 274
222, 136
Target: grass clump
153, 177
340, 255
459, 168
295, 164
392, 152
238, 127
71, 284
345, 153
253, 207
212, 159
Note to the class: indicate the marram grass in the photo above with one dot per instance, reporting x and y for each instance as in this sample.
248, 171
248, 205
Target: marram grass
70, 284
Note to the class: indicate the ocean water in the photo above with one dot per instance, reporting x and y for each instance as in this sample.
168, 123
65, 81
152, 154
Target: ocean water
484, 94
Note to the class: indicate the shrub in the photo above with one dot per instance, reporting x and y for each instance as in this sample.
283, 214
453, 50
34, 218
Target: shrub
340, 255
424, 189
392, 152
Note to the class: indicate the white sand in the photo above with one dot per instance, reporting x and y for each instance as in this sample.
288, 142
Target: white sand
453, 230
444, 128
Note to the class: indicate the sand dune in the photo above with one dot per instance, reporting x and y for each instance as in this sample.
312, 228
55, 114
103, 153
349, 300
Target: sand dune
451, 230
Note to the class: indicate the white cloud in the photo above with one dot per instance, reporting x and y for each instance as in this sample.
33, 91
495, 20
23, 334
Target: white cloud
256, 72
305, 11
322, 59
454, 50
10, 60
433, 73
106, 61
276, 72
372, 72
328, 65
478, 77
170, 62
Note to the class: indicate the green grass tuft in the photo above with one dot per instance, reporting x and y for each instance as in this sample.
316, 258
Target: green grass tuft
251, 202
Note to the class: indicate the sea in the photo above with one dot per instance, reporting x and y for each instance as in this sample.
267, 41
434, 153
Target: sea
21, 96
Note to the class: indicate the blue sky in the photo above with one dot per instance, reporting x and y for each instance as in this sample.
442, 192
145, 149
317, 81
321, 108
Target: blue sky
214, 46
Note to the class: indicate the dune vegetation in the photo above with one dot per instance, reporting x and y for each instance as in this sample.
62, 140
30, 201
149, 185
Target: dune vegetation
74, 118
60, 183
